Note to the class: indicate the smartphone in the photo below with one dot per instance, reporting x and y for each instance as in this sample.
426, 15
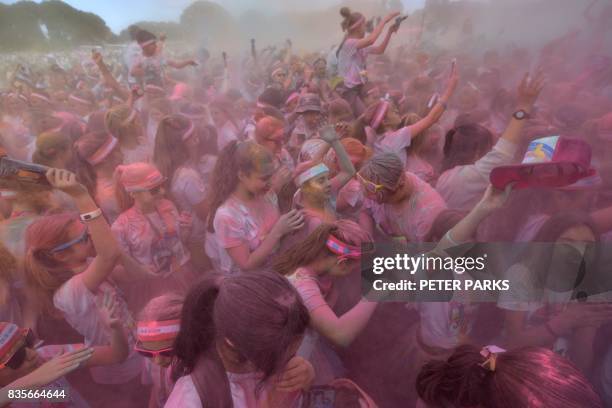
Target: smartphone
320, 397
17, 171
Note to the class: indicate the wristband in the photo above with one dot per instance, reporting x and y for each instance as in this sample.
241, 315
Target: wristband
90, 216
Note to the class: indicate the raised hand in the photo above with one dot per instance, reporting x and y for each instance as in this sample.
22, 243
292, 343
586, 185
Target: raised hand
65, 181
529, 89
328, 133
297, 375
289, 222
57, 368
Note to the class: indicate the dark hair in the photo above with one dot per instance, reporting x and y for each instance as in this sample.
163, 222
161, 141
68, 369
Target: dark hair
273, 97
236, 157
463, 143
260, 315
144, 36
524, 377
348, 18
311, 248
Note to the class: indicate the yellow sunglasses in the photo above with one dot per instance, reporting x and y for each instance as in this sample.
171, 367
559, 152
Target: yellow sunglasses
370, 186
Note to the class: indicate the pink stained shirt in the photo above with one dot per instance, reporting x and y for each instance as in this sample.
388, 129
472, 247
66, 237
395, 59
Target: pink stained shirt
352, 62
147, 239
413, 218
238, 223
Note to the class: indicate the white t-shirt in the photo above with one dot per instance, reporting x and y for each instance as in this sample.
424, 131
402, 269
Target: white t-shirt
237, 223
80, 310
242, 387
188, 190
462, 186
352, 62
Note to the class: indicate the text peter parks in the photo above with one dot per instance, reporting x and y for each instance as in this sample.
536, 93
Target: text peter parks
486, 272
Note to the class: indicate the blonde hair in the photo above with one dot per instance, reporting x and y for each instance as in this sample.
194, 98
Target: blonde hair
115, 119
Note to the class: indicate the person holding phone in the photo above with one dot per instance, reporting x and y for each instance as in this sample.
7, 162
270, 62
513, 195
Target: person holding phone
353, 51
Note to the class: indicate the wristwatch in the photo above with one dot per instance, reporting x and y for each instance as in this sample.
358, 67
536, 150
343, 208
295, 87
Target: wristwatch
521, 115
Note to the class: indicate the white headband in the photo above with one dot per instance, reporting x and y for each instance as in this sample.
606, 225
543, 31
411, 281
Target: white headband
148, 42
311, 173
81, 100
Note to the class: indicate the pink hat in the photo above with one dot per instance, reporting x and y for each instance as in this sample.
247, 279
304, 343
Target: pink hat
137, 177
553, 161
309, 103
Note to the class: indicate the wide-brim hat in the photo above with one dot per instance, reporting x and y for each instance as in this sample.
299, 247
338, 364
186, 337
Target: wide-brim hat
553, 161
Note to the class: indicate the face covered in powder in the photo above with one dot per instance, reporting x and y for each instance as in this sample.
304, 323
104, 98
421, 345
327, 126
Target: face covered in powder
258, 181
318, 187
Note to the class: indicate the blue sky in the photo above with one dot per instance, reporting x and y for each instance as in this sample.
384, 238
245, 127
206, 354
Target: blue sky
118, 14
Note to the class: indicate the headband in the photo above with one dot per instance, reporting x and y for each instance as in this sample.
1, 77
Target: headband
189, 131
103, 151
357, 23
7, 193
129, 119
158, 330
292, 98
139, 181
277, 70
380, 113
151, 88
17, 95
81, 100
343, 249
148, 42
490, 354
311, 173
39, 96
262, 105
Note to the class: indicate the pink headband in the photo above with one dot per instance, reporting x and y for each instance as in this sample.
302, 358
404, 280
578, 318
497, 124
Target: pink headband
189, 131
148, 42
20, 96
277, 70
154, 88
81, 100
103, 151
292, 98
39, 96
357, 23
343, 249
158, 331
139, 177
381, 111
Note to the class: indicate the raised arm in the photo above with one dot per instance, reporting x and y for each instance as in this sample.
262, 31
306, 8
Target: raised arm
436, 112
380, 49
347, 170
107, 250
371, 38
109, 79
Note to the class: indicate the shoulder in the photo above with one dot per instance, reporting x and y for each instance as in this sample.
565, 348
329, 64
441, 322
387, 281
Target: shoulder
184, 394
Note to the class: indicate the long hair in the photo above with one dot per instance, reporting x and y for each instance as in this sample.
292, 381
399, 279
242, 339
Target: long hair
463, 143
115, 118
170, 151
236, 157
43, 273
348, 19
526, 377
260, 315
87, 145
308, 250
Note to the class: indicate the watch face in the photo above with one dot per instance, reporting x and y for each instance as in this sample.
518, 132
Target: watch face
519, 115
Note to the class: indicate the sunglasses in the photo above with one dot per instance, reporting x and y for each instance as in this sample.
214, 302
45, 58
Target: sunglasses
370, 186
156, 190
84, 237
19, 357
167, 352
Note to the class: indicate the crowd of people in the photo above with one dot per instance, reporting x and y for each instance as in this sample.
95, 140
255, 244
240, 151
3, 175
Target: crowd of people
197, 237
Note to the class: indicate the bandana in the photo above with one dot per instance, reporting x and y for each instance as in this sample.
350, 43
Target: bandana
343, 249
103, 151
357, 23
158, 330
311, 173
80, 100
138, 177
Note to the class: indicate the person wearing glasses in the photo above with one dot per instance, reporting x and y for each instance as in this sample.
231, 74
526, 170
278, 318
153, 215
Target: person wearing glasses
68, 262
398, 204
151, 232
26, 364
